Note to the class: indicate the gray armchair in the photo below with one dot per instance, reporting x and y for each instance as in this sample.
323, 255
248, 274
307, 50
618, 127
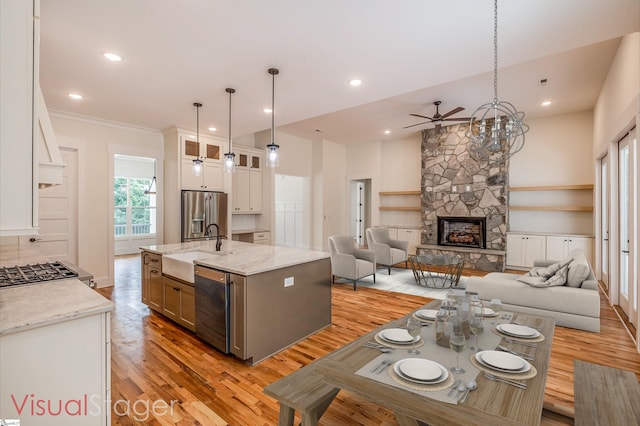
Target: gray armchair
350, 262
388, 251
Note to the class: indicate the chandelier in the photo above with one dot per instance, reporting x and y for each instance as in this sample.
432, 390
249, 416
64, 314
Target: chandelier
496, 126
197, 162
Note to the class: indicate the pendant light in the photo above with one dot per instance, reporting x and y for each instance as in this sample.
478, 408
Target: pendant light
500, 125
229, 157
273, 159
197, 163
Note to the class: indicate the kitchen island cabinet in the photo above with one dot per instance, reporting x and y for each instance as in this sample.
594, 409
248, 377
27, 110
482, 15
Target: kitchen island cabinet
179, 302
278, 295
55, 348
152, 280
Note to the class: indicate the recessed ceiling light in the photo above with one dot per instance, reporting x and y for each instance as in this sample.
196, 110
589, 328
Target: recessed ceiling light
212, 129
546, 103
112, 56
74, 96
355, 82
268, 110
386, 132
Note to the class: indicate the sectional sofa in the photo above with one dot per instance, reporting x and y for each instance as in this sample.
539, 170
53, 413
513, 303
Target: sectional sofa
574, 303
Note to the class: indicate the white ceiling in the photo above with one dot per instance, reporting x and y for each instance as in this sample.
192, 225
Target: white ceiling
408, 54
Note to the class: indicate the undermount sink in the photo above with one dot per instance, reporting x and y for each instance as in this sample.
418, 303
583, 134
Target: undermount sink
180, 265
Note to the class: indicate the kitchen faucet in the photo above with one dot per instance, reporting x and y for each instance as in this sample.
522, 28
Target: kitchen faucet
207, 233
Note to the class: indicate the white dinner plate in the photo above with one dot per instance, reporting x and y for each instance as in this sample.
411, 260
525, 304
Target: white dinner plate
397, 335
421, 370
486, 312
428, 314
518, 331
503, 361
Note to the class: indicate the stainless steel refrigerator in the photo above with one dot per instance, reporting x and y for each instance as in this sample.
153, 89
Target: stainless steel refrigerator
201, 209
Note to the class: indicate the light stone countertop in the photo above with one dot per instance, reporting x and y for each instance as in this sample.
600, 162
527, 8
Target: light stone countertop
36, 305
242, 258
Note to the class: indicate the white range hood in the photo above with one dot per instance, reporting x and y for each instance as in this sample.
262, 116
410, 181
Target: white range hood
50, 160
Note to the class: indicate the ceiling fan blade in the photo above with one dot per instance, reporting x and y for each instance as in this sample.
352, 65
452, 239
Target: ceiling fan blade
457, 119
453, 111
419, 124
422, 116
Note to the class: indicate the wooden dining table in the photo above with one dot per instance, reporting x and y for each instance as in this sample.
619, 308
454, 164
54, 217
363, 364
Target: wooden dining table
493, 403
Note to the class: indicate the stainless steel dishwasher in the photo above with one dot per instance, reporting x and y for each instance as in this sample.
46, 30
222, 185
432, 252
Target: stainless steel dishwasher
212, 295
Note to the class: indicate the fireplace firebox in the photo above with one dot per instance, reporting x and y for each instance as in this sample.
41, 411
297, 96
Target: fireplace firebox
462, 231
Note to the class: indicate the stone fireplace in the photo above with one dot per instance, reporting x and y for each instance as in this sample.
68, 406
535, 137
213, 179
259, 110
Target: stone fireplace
462, 231
457, 185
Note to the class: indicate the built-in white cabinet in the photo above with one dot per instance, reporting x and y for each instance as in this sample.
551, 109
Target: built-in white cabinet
261, 237
559, 246
413, 236
19, 52
247, 182
208, 151
68, 361
523, 249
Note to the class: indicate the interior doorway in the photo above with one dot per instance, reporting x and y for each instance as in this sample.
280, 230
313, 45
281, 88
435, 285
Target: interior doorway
134, 205
359, 209
292, 214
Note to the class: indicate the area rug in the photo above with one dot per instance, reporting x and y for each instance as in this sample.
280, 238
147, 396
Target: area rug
401, 281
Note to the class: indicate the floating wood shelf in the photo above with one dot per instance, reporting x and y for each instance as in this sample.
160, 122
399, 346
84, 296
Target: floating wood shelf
404, 209
554, 208
553, 188
400, 193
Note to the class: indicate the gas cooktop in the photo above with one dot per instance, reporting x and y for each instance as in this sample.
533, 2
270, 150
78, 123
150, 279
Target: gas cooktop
40, 272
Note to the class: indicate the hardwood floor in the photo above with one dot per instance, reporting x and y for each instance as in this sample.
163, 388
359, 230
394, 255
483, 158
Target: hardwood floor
154, 359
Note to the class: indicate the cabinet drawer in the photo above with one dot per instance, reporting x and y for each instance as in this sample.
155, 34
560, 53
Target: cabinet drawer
152, 259
260, 236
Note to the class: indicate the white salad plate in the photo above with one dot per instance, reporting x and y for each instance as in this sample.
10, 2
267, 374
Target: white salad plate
503, 361
518, 331
428, 314
421, 370
397, 335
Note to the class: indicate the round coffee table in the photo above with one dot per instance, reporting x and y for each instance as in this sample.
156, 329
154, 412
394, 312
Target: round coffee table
436, 270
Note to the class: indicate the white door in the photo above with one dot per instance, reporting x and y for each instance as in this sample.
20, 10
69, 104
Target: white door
627, 222
604, 221
57, 238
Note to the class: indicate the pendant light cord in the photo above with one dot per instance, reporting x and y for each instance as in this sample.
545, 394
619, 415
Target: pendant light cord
273, 107
495, 50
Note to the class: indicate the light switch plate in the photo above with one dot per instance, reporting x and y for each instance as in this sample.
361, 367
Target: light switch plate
288, 282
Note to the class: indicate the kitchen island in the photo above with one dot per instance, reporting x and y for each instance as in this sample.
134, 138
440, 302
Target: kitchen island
277, 296
55, 351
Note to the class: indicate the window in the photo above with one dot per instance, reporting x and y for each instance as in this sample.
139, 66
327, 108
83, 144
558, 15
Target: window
134, 211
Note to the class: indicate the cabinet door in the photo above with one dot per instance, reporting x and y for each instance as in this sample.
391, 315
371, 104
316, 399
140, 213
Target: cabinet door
583, 243
255, 191
238, 316
413, 236
155, 289
144, 290
212, 177
515, 250
535, 249
189, 180
241, 194
171, 299
556, 247
187, 314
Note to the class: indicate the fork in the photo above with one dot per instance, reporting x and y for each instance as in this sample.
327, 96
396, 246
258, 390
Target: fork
519, 342
528, 357
506, 381
381, 348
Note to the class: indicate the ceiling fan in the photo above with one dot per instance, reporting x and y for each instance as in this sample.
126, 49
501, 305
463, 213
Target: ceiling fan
439, 118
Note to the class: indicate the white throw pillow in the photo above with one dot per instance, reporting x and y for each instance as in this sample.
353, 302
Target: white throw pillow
557, 279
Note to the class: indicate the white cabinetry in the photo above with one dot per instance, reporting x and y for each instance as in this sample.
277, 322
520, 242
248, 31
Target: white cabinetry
209, 152
523, 249
19, 51
413, 236
247, 182
68, 361
559, 246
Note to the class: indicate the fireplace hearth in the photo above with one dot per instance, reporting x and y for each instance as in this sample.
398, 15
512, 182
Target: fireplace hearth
462, 231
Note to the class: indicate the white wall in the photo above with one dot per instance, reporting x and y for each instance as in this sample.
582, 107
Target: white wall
94, 211
334, 191
556, 152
